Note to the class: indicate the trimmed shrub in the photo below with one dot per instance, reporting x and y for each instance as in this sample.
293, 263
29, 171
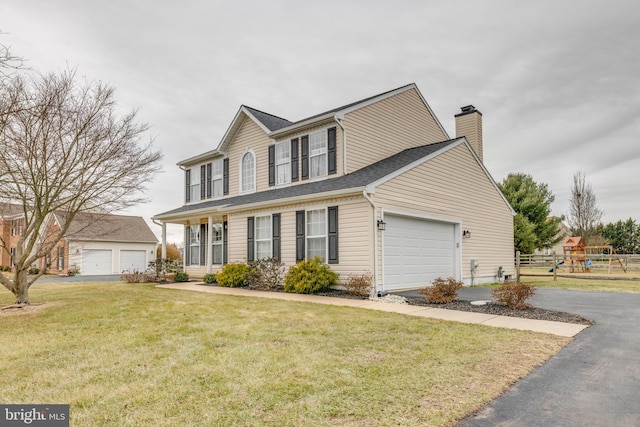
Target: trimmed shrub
310, 276
132, 276
513, 294
268, 274
442, 291
34, 270
181, 276
359, 285
209, 279
234, 275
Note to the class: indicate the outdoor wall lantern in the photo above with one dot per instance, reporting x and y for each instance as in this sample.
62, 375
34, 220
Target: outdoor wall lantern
381, 225
466, 234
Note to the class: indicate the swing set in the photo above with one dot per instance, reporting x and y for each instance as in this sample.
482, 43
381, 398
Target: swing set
578, 256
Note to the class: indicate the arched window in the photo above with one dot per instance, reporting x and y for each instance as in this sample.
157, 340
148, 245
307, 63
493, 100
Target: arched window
248, 173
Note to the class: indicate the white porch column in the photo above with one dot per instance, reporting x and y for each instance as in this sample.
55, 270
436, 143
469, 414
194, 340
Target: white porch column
164, 240
209, 250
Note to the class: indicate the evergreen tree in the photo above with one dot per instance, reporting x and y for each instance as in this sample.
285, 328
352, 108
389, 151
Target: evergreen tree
533, 226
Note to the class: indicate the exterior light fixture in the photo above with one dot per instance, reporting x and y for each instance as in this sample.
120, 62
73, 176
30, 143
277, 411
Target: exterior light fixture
466, 234
381, 225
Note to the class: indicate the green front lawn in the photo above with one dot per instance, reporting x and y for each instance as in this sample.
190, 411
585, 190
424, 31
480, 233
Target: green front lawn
135, 355
615, 284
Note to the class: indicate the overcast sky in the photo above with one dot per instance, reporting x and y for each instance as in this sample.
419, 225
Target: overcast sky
557, 82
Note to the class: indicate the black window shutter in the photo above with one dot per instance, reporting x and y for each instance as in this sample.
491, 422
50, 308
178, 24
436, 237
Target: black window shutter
294, 160
203, 244
225, 176
305, 156
331, 151
300, 236
275, 236
187, 180
333, 234
208, 180
203, 180
187, 245
250, 238
272, 165
225, 240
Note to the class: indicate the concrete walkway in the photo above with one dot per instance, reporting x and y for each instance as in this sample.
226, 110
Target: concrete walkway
544, 326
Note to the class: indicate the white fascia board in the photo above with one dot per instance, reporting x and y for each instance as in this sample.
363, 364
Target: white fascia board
493, 182
252, 117
300, 125
290, 200
377, 99
184, 216
371, 187
426, 104
200, 157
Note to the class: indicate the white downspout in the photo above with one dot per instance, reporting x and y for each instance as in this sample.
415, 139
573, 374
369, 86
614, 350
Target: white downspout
344, 143
375, 241
164, 236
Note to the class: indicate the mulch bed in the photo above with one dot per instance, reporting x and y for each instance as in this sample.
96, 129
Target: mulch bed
490, 308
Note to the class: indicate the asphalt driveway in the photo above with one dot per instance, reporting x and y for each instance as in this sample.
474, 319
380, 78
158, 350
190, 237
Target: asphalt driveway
594, 381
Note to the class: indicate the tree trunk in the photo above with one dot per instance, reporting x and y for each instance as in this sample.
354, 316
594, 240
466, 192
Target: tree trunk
21, 288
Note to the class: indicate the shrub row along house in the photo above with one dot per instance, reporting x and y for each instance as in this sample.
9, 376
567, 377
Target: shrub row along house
374, 186
95, 243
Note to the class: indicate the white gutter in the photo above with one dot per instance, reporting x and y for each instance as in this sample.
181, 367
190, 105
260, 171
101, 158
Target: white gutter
344, 142
375, 242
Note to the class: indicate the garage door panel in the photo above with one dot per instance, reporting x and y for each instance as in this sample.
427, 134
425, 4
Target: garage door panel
133, 260
96, 261
417, 251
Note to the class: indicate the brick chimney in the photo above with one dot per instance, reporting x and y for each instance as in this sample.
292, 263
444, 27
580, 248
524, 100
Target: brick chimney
469, 125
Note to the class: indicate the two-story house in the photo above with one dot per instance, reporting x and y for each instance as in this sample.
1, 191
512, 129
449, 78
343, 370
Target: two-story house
376, 185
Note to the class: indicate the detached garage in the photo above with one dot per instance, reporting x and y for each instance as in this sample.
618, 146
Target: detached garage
416, 251
99, 244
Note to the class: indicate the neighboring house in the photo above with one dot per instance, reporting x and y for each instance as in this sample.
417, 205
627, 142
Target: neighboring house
374, 186
563, 231
95, 243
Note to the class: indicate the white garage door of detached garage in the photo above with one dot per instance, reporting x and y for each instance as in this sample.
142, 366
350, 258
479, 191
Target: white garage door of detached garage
133, 260
416, 251
96, 261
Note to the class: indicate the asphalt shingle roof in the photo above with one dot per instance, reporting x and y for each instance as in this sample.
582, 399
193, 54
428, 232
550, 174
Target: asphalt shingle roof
108, 227
359, 178
270, 121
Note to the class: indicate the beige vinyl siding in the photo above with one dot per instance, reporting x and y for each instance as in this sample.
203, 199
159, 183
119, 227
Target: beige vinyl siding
355, 242
453, 186
387, 127
249, 137
470, 126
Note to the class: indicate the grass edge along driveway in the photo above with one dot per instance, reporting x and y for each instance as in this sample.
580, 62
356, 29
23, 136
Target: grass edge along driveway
124, 354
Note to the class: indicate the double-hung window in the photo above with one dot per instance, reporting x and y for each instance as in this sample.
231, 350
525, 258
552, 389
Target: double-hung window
216, 249
217, 175
263, 237
316, 234
318, 154
283, 163
194, 188
60, 263
194, 245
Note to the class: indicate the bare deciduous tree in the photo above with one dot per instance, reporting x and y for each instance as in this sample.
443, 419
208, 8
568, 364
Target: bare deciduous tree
584, 214
65, 149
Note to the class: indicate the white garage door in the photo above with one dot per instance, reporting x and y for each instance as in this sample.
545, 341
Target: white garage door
96, 261
133, 260
417, 251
